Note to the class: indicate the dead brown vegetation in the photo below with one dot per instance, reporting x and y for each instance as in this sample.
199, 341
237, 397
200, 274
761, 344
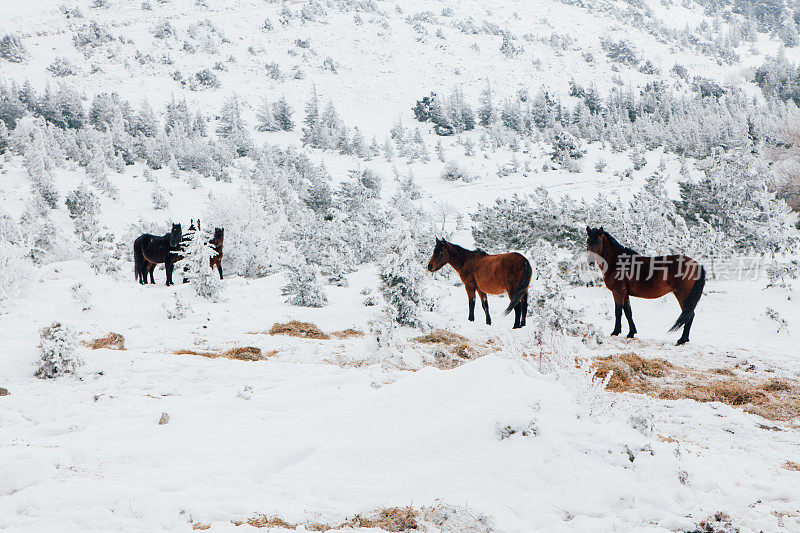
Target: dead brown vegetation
441, 336
295, 328
774, 399
347, 333
112, 341
243, 353
393, 519
791, 465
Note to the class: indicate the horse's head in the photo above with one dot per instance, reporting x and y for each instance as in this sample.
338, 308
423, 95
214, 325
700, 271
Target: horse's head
175, 236
595, 243
219, 235
440, 257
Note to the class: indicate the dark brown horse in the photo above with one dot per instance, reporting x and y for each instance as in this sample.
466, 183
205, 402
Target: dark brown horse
216, 243
487, 274
148, 250
626, 274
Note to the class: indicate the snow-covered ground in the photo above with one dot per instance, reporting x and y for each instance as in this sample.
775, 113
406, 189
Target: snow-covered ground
309, 435
521, 437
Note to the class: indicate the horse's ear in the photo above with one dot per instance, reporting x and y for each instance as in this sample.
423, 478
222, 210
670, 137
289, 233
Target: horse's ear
588, 230
438, 240
600, 231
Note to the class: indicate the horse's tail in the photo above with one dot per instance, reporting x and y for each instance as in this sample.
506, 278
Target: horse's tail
691, 301
522, 287
138, 258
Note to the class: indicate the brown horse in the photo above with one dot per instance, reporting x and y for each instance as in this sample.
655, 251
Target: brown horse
216, 243
626, 274
487, 274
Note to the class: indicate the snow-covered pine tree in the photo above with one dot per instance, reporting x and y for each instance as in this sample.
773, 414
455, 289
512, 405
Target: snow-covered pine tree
97, 174
159, 197
232, 127
303, 286
39, 167
388, 150
83, 208
59, 355
486, 111
401, 279
439, 149
264, 117
197, 257
653, 223
282, 113
312, 132
735, 200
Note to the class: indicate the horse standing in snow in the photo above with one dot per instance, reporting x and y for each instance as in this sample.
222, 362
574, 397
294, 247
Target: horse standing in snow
626, 274
216, 243
487, 274
149, 250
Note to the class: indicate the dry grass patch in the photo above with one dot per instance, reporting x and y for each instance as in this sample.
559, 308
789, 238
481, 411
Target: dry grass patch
631, 372
112, 341
774, 399
791, 465
244, 353
722, 371
388, 519
441, 336
347, 333
453, 349
295, 328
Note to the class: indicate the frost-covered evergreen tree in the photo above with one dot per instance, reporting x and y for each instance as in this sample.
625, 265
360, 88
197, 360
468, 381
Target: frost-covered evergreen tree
83, 208
39, 167
282, 112
159, 197
265, 119
312, 131
734, 199
303, 286
16, 268
232, 127
59, 354
96, 172
197, 258
401, 278
486, 111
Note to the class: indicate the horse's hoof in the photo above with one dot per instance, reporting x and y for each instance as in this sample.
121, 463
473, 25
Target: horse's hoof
471, 318
488, 322
615, 333
681, 341
630, 335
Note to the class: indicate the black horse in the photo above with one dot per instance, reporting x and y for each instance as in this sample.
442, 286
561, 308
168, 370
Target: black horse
149, 250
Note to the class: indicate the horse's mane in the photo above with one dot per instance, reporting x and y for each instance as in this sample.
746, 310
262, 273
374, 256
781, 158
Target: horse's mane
463, 251
620, 249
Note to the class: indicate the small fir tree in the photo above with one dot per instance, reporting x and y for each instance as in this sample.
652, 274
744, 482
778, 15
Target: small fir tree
59, 355
303, 287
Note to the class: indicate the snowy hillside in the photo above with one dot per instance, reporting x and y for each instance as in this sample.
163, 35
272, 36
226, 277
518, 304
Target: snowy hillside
329, 381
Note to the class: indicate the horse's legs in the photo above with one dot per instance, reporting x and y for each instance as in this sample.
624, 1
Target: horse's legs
219, 269
686, 327
629, 315
150, 268
619, 299
524, 313
169, 266
517, 314
471, 298
485, 304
